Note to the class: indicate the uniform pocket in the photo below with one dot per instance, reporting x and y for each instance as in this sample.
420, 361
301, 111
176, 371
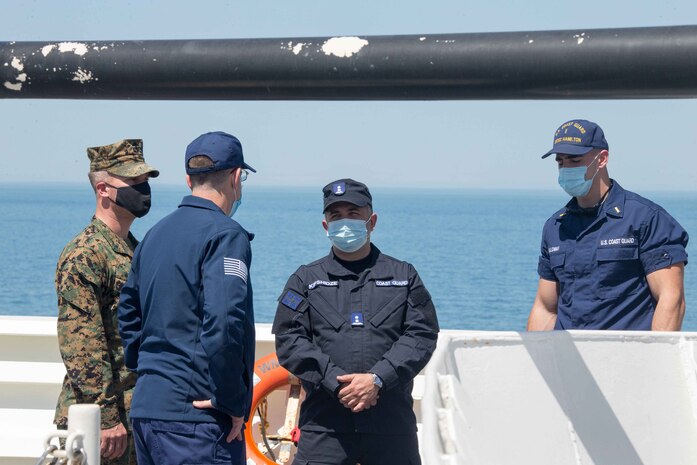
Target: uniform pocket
618, 271
619, 253
557, 260
177, 427
224, 451
320, 306
391, 306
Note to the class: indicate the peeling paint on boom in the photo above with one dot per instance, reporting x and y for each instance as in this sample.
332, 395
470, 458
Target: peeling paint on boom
658, 62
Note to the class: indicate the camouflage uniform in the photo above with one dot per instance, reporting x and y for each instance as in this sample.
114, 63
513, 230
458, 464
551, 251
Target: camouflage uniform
90, 273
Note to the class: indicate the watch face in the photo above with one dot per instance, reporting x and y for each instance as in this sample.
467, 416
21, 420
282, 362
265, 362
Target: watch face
376, 380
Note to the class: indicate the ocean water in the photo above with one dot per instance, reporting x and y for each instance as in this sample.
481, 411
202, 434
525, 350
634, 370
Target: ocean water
476, 251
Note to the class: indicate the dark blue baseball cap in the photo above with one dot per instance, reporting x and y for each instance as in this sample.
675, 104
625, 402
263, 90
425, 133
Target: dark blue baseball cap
578, 137
222, 148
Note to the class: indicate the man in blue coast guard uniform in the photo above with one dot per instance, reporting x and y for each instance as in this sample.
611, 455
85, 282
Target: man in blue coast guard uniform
610, 259
356, 327
187, 321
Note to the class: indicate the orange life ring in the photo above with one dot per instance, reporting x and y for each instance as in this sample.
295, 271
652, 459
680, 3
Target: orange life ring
270, 375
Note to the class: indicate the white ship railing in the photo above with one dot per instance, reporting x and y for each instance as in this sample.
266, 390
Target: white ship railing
487, 398
577, 398
31, 373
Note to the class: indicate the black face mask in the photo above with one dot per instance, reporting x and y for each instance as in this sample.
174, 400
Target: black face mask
135, 199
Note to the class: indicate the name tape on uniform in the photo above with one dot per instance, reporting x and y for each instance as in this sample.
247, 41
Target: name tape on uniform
391, 283
319, 282
617, 241
235, 267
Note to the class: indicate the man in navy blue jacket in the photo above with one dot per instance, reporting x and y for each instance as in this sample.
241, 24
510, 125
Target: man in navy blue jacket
187, 321
610, 259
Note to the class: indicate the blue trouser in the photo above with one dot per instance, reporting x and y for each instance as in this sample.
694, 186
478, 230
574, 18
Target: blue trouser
320, 448
160, 442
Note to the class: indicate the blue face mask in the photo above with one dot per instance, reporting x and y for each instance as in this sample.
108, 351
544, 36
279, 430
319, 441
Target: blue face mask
348, 235
235, 205
574, 182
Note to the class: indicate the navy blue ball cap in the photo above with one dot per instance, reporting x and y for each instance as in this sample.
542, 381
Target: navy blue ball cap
222, 148
578, 137
346, 190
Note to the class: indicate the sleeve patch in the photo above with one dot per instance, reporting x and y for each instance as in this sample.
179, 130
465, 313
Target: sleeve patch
235, 267
291, 300
419, 296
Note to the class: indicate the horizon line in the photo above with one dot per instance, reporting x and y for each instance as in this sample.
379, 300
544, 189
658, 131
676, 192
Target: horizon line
313, 186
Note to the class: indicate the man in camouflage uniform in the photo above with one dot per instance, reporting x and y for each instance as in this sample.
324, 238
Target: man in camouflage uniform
89, 275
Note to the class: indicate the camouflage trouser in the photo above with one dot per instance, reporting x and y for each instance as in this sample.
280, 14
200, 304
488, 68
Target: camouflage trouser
128, 457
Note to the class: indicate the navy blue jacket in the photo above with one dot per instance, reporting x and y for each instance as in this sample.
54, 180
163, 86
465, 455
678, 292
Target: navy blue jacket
601, 261
331, 321
186, 316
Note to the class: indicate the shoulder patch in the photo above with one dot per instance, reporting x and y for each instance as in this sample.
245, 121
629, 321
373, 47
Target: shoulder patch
235, 267
419, 296
291, 300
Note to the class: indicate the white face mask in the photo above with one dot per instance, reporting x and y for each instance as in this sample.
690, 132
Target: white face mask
573, 180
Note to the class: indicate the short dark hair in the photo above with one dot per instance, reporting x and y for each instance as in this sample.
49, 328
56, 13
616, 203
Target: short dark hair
209, 179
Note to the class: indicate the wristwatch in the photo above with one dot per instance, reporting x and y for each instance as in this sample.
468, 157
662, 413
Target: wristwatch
377, 380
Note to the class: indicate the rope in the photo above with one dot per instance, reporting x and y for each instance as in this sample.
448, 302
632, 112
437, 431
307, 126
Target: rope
263, 424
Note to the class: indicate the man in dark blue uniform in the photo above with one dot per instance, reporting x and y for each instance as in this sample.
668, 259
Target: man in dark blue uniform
187, 321
610, 259
356, 327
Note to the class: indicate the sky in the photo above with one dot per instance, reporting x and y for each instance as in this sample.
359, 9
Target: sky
445, 144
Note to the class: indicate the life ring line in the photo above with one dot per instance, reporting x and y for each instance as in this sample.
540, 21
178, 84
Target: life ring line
271, 376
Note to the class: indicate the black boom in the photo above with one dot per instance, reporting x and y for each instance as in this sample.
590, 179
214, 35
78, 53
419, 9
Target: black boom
658, 62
